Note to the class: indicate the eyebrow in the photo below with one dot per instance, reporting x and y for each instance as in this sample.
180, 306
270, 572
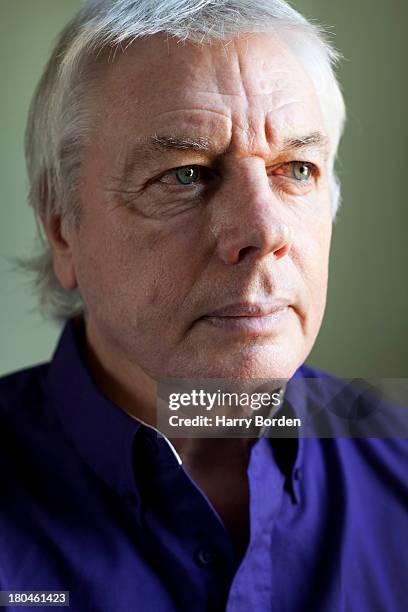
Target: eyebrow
183, 144
315, 139
151, 146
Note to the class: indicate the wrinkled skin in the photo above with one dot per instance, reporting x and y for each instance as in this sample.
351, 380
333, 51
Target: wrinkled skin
154, 257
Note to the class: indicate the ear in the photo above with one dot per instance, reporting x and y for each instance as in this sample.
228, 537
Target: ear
61, 241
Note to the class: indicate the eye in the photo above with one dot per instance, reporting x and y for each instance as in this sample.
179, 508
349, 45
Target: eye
188, 175
301, 171
195, 176
298, 170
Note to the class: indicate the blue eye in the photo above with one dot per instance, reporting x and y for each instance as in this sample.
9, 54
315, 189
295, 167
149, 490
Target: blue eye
301, 171
187, 175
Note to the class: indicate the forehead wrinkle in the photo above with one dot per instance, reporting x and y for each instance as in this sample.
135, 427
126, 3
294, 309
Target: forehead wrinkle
194, 110
270, 128
225, 94
243, 83
264, 78
250, 132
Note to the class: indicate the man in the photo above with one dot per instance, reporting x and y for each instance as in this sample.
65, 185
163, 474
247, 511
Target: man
181, 165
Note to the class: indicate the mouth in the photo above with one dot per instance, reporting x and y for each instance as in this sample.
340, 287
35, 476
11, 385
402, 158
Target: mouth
251, 318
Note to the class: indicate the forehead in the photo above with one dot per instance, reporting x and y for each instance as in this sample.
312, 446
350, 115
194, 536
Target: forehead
247, 88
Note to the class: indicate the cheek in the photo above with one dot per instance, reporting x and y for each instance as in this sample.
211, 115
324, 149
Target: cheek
311, 257
318, 263
136, 269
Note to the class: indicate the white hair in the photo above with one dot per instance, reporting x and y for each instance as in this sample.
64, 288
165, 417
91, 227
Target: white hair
58, 118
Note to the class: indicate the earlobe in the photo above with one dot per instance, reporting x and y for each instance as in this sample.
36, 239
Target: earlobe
61, 244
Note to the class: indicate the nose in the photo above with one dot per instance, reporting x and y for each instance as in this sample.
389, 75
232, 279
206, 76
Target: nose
249, 220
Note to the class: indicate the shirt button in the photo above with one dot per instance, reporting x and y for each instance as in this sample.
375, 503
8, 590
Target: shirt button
205, 557
297, 475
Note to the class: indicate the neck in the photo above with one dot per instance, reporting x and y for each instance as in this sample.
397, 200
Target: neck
132, 390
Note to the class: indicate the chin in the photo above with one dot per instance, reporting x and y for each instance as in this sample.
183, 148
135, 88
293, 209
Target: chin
254, 362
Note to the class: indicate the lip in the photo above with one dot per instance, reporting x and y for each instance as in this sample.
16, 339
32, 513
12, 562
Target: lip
251, 309
250, 318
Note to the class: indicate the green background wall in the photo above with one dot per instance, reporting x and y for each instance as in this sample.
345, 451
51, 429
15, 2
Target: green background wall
365, 329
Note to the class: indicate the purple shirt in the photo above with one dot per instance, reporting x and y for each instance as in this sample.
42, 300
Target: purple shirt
95, 503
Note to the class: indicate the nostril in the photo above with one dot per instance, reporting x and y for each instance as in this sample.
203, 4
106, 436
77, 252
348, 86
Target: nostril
281, 252
246, 251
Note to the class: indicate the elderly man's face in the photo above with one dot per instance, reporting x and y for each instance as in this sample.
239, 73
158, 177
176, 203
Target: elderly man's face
204, 241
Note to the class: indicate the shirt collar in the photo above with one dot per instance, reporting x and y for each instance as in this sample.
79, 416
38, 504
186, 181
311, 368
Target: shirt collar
295, 402
103, 433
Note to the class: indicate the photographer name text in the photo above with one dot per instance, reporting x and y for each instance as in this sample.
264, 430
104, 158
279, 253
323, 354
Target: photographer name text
242, 422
